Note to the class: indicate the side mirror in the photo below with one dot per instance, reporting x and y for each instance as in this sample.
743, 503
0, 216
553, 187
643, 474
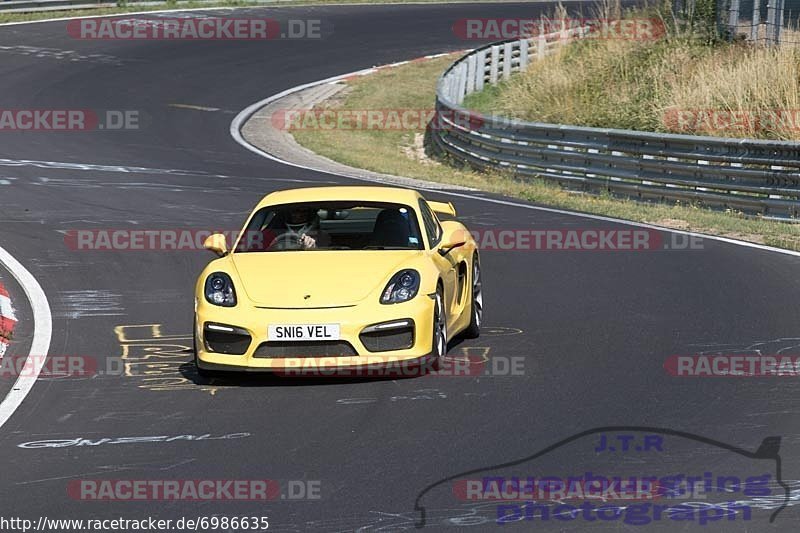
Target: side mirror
216, 243
453, 238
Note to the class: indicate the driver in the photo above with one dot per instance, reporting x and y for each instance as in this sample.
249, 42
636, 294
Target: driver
304, 223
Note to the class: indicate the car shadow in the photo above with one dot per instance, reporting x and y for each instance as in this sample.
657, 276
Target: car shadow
270, 379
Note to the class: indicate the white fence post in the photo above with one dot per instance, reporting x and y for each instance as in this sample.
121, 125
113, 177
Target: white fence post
541, 49
471, 62
493, 66
508, 55
481, 72
523, 55
462, 83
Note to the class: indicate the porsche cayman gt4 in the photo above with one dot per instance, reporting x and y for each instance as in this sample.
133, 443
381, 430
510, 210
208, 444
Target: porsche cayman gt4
338, 278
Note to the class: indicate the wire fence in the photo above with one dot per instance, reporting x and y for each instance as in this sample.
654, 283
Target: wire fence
767, 22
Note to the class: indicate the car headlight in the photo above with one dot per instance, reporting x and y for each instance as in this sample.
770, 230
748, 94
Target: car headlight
219, 290
402, 287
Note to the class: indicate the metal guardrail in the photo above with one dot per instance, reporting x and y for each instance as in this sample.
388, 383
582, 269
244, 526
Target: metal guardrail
31, 6
748, 175
36, 6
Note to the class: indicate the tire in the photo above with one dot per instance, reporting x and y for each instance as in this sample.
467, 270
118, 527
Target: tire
473, 331
439, 348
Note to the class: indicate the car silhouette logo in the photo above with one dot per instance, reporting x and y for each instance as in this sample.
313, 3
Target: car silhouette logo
512, 490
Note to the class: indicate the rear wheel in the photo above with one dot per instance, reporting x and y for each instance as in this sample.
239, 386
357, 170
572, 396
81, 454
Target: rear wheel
476, 309
439, 349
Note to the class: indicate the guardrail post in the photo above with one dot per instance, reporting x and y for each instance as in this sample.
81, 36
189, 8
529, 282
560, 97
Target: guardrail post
471, 69
481, 72
523, 55
542, 42
456, 81
462, 83
494, 64
508, 55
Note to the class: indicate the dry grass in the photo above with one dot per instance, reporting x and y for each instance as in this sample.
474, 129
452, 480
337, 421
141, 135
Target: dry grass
724, 90
412, 86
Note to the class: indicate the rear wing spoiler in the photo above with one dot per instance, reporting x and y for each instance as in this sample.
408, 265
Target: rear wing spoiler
445, 208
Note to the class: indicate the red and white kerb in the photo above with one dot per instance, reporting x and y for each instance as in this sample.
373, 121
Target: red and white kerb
8, 320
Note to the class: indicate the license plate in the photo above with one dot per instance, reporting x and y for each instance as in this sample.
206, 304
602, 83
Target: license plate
303, 332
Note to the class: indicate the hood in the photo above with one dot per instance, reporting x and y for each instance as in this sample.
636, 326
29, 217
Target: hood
302, 280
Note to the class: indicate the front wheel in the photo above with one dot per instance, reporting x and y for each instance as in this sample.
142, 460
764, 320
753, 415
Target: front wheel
439, 349
473, 331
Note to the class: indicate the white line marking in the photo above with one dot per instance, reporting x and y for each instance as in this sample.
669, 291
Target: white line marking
176, 10
42, 332
194, 107
244, 115
92, 167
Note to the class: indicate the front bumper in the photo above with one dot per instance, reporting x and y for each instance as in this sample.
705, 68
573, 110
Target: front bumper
253, 322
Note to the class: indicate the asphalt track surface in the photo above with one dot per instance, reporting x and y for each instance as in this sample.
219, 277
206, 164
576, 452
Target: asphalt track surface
593, 329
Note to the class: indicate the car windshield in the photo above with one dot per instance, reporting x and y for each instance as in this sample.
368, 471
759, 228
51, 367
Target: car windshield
337, 225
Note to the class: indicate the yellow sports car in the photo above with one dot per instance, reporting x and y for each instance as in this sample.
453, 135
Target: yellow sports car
338, 279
